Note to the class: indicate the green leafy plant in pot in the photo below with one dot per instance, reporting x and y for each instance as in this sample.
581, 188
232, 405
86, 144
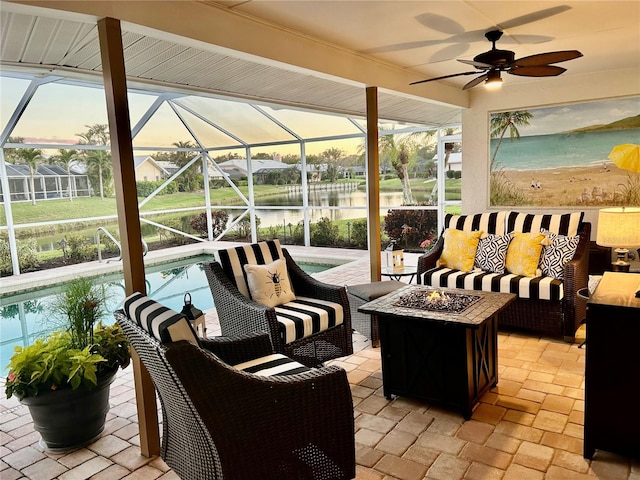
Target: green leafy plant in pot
65, 378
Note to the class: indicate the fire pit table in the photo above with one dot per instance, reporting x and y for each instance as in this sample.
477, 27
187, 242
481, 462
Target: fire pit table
439, 344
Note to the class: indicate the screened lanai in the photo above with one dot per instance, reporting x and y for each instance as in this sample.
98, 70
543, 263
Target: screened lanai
209, 138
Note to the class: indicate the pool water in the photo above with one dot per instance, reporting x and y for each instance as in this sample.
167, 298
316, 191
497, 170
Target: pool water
24, 317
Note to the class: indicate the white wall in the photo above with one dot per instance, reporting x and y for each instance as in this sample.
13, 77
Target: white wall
537, 93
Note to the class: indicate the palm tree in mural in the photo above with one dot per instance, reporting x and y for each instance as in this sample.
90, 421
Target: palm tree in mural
65, 158
30, 157
503, 121
98, 161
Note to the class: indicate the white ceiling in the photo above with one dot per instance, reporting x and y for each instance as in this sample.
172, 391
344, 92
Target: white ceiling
319, 54
428, 36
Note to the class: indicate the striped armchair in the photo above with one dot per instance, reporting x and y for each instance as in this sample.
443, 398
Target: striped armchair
312, 326
232, 408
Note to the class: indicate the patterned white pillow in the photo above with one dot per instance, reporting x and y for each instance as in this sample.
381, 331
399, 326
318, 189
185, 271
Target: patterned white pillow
557, 254
492, 252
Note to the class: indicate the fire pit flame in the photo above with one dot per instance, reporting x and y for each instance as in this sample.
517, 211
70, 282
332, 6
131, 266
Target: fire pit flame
438, 300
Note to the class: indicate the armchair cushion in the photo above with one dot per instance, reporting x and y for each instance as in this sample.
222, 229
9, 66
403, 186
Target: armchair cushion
274, 364
269, 284
305, 316
232, 261
162, 323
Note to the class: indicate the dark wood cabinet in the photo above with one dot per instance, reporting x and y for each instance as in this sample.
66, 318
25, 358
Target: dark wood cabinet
612, 371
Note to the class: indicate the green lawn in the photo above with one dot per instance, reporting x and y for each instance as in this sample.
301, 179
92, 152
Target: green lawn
88, 207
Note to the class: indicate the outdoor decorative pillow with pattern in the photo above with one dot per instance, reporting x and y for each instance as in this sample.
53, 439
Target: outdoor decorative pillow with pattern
459, 249
557, 254
492, 252
523, 254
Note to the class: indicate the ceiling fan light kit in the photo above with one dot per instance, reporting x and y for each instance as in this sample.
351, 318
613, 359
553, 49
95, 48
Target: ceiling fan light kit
493, 80
489, 64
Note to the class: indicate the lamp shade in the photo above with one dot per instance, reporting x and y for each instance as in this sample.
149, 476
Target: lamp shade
619, 227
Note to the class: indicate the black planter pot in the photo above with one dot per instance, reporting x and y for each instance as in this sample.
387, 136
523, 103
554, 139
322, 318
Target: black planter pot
69, 419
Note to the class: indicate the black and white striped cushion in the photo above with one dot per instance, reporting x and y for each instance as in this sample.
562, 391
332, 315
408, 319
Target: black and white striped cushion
560, 224
232, 261
307, 316
488, 222
274, 364
162, 323
544, 288
555, 256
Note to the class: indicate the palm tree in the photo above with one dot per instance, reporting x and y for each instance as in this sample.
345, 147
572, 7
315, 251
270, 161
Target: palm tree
399, 155
503, 121
65, 159
188, 179
99, 164
98, 161
30, 157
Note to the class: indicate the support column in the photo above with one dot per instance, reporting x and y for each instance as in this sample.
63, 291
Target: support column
373, 184
115, 87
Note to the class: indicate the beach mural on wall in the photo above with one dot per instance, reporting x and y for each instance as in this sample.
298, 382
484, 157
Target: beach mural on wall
559, 156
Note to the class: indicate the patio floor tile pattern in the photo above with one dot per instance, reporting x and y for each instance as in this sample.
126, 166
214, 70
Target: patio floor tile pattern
528, 427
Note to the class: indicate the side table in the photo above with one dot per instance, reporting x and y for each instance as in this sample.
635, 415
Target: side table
398, 273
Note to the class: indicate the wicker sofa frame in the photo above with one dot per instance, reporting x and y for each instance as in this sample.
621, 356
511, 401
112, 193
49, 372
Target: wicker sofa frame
220, 422
239, 315
558, 319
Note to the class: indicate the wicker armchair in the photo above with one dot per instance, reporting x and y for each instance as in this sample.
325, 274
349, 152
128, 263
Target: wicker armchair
220, 422
238, 314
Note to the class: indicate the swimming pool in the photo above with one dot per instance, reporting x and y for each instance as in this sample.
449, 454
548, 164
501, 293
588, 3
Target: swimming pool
24, 317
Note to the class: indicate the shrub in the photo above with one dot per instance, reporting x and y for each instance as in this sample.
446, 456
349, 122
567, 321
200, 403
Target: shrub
27, 256
219, 219
359, 233
324, 233
420, 224
243, 227
79, 248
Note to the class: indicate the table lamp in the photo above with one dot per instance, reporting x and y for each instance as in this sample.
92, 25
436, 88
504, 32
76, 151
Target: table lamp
619, 228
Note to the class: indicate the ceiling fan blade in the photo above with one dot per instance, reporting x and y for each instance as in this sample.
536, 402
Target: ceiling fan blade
538, 71
443, 77
533, 17
475, 81
476, 64
542, 59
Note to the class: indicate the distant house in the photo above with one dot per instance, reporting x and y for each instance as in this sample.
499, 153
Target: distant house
147, 169
50, 181
454, 163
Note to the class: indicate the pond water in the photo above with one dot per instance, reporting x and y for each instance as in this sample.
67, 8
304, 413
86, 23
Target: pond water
351, 205
24, 317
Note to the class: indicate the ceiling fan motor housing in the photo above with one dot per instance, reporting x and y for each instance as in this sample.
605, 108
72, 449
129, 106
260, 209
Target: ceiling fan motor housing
496, 58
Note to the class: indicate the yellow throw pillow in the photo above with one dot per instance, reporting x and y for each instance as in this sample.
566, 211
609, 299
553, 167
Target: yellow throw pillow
459, 251
523, 254
269, 284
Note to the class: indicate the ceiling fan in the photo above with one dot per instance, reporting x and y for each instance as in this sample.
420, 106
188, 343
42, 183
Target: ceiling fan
491, 63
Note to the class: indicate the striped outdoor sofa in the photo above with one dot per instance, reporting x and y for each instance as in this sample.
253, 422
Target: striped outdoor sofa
545, 305
312, 328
